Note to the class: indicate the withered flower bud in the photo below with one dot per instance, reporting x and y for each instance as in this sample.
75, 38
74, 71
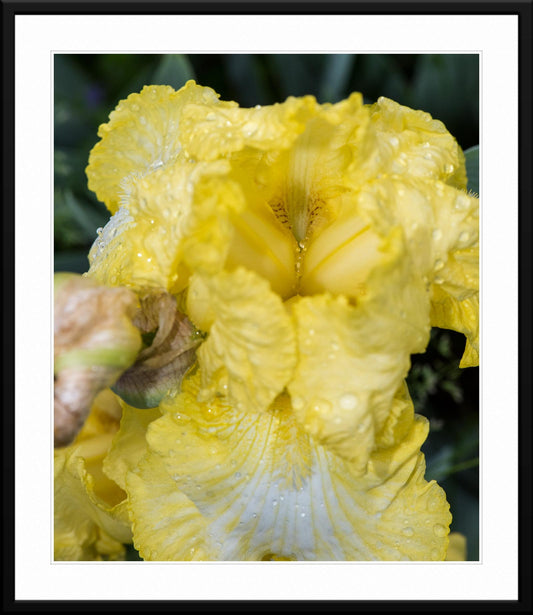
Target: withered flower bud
170, 352
94, 342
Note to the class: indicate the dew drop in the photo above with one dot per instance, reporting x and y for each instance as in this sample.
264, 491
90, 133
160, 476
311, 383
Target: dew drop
438, 265
408, 531
237, 474
450, 168
464, 236
435, 554
362, 427
302, 514
142, 119
297, 403
462, 202
433, 504
348, 401
322, 406
394, 141
439, 530
436, 234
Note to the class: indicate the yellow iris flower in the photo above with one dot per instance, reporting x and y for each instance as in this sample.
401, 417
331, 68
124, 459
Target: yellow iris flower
315, 246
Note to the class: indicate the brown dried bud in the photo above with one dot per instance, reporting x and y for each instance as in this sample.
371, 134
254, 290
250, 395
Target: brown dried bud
161, 366
94, 342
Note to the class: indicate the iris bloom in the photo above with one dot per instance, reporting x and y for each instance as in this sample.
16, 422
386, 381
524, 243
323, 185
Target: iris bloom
314, 246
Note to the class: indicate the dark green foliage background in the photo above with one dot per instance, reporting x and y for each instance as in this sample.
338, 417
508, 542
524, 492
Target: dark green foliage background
89, 86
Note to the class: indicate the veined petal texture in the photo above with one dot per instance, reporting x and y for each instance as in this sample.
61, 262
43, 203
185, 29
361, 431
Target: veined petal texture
222, 484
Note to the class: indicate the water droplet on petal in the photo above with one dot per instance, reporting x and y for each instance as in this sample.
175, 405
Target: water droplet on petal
408, 531
436, 234
462, 202
348, 401
297, 403
439, 530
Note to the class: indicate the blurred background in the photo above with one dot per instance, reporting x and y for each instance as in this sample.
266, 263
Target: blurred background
87, 87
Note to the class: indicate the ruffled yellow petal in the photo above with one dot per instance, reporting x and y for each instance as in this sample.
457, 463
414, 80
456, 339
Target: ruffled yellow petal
250, 352
90, 514
441, 228
353, 357
408, 143
173, 220
210, 132
142, 135
129, 443
455, 300
222, 484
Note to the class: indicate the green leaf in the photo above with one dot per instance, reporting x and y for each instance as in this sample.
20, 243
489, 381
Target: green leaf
447, 87
174, 70
73, 261
472, 168
75, 221
335, 77
132, 555
296, 74
246, 74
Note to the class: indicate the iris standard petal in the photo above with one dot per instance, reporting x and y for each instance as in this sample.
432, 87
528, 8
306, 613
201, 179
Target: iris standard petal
142, 135
213, 131
222, 484
172, 220
408, 143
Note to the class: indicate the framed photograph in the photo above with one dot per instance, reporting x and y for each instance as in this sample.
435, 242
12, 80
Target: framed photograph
266, 276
